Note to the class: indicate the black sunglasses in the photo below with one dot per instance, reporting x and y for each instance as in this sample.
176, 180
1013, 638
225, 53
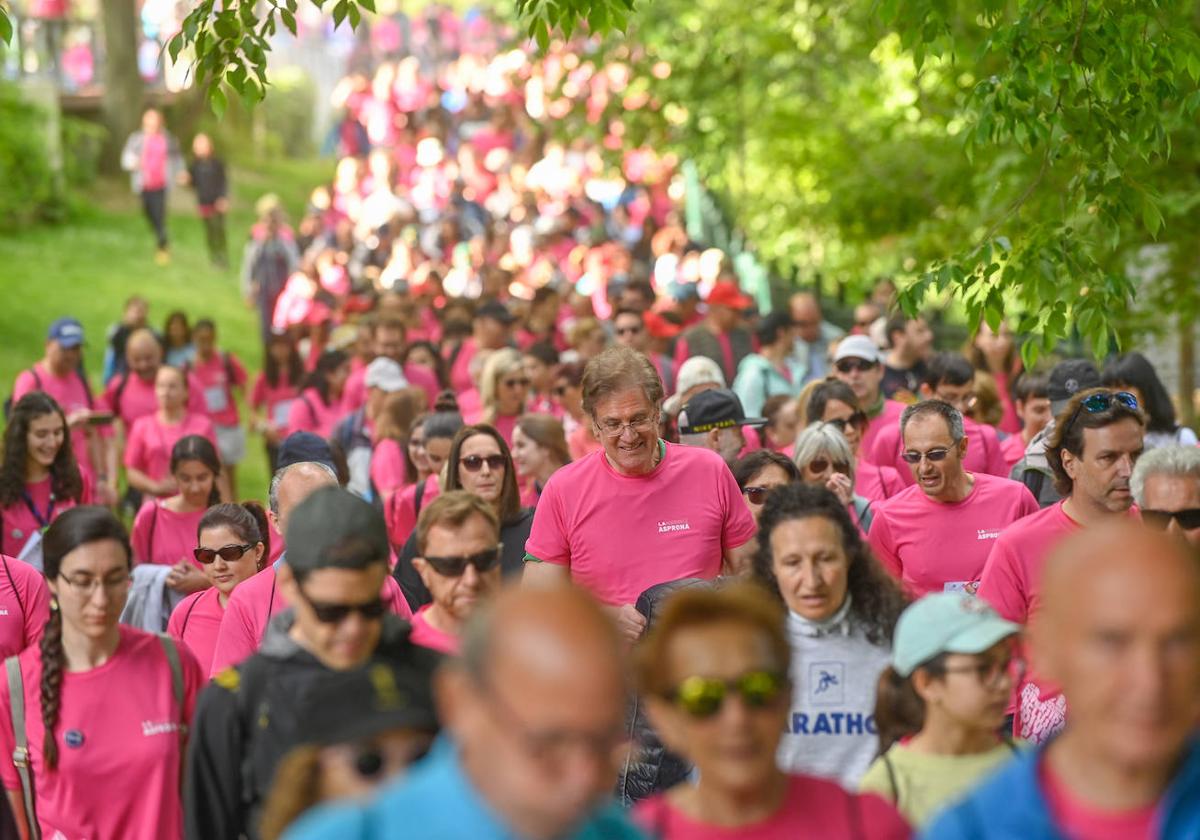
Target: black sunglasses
847, 365
1159, 520
337, 613
858, 419
933, 455
474, 463
228, 553
757, 495
819, 465
628, 330
455, 566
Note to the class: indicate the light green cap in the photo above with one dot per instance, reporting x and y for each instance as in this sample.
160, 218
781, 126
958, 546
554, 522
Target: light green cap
946, 622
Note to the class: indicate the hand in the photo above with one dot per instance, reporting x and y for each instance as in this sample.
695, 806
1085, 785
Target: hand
78, 417
840, 485
222, 205
105, 495
184, 178
630, 622
166, 487
186, 578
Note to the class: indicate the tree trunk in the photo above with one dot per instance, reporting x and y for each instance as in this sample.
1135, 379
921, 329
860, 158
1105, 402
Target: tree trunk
1187, 370
123, 88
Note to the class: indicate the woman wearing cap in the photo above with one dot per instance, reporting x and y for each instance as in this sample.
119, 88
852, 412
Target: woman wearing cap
941, 704
152, 438
825, 459
503, 390
106, 706
319, 406
767, 374
842, 608
834, 402
233, 544
714, 674
539, 450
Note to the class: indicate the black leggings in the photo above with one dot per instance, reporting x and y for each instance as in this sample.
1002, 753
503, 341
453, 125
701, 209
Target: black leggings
154, 204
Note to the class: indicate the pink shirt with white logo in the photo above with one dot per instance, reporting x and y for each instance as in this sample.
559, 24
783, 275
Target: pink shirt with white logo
195, 622
426, 635
984, 452
934, 546
119, 747
813, 809
217, 387
20, 520
151, 441
620, 535
24, 606
164, 537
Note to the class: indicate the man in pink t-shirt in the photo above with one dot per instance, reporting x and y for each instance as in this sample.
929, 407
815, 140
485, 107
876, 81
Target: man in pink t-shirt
1096, 440
639, 512
858, 363
1118, 631
389, 342
936, 535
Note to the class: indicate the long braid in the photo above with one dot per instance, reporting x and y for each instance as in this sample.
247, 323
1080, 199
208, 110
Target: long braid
52, 677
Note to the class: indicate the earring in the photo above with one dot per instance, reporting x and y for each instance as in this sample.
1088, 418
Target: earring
54, 604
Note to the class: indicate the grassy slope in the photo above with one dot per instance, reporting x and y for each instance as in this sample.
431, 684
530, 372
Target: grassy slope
88, 266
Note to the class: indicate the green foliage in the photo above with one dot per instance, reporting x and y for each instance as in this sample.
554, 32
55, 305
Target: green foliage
29, 192
546, 19
82, 143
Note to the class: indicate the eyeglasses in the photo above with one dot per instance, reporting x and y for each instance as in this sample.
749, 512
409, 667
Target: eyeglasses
85, 587
614, 428
757, 495
516, 383
474, 463
990, 673
1103, 401
933, 455
337, 613
1159, 520
629, 330
860, 365
228, 553
819, 465
703, 697
857, 420
484, 561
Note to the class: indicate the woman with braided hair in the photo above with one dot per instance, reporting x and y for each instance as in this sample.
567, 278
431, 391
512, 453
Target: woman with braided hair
99, 709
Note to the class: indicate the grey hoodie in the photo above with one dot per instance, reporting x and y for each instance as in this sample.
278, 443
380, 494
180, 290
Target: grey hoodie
1040, 478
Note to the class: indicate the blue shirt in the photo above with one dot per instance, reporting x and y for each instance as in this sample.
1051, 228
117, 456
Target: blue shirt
436, 801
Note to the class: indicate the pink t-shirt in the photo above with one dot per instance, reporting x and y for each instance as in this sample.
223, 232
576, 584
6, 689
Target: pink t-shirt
355, 396
984, 452
460, 371
814, 809
71, 394
505, 424
217, 388
1013, 449
888, 418
195, 622
619, 535
426, 635
19, 521
164, 537
1080, 820
253, 604
151, 441
119, 746
137, 398
401, 512
276, 399
309, 413
153, 165
24, 606
389, 469
876, 482
933, 546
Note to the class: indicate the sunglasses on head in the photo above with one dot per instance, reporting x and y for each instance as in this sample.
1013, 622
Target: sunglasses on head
1160, 520
933, 455
857, 419
474, 463
847, 365
484, 561
337, 613
228, 553
819, 465
1103, 401
703, 697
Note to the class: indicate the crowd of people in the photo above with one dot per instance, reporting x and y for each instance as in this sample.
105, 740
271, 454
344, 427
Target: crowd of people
565, 539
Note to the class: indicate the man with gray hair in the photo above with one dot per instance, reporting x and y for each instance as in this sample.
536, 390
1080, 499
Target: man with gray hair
1166, 487
256, 600
936, 535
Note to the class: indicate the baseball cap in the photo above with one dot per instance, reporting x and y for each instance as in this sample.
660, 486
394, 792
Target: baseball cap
386, 375
300, 447
67, 332
659, 327
716, 408
348, 706
696, 371
945, 622
495, 310
857, 347
681, 292
1067, 379
333, 527
729, 293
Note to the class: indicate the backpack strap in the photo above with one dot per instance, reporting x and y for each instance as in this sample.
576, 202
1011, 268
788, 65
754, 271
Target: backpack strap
20, 756
862, 509
891, 774
1034, 479
172, 653
419, 496
13, 584
116, 406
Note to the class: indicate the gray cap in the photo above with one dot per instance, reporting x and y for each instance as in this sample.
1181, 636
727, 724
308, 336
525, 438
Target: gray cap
333, 528
1067, 379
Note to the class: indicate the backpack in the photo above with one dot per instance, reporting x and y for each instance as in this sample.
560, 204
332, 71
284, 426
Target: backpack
37, 382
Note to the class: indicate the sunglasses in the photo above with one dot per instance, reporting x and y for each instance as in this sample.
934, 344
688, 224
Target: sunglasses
1103, 401
629, 330
860, 365
515, 383
933, 455
703, 697
819, 465
1159, 520
228, 553
857, 419
337, 613
474, 463
484, 561
757, 495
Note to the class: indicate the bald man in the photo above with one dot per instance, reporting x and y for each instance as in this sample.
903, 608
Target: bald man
535, 713
1119, 631
813, 335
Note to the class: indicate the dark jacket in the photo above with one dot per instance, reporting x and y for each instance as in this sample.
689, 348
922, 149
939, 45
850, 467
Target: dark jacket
247, 720
702, 342
208, 180
512, 559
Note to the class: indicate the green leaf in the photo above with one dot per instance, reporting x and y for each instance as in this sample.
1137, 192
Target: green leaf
289, 20
340, 10
217, 101
6, 27
355, 16
1151, 215
369, 5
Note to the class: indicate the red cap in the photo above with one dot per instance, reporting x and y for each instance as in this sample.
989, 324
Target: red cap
660, 327
728, 293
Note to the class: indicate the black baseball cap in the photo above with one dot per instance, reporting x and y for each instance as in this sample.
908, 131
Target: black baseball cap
1067, 379
716, 408
300, 447
333, 528
495, 310
346, 706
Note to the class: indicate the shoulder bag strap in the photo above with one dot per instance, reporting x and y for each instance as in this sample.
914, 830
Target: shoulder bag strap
20, 756
172, 652
891, 772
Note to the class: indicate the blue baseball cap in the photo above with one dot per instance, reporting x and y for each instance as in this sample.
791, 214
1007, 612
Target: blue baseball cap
946, 622
300, 447
67, 332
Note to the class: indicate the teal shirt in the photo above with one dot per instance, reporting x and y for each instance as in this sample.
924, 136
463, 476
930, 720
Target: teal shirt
757, 380
435, 801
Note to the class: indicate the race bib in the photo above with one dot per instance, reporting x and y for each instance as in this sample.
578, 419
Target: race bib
216, 398
280, 413
967, 586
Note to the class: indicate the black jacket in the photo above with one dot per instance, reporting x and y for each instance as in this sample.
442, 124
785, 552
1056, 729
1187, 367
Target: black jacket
208, 180
247, 720
512, 559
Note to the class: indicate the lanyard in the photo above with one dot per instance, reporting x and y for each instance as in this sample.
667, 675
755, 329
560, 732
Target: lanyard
43, 521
